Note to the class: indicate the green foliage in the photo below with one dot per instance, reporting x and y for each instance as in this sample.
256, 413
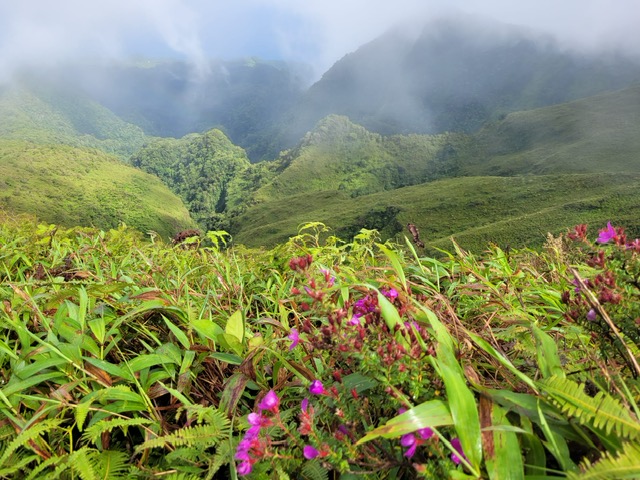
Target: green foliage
55, 114
126, 359
207, 171
73, 186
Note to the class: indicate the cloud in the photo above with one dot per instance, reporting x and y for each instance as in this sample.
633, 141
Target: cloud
319, 32
45, 33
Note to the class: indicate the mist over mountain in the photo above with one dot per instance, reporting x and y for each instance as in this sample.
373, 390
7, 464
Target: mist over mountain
172, 99
454, 75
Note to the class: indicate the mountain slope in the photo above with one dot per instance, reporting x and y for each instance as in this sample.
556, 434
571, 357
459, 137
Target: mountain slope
77, 186
595, 134
340, 155
455, 75
542, 149
210, 174
54, 114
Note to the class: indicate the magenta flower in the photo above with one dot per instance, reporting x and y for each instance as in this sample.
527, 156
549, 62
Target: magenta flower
270, 402
316, 388
294, 336
607, 234
257, 421
309, 452
459, 455
390, 293
425, 433
244, 468
355, 320
304, 405
409, 440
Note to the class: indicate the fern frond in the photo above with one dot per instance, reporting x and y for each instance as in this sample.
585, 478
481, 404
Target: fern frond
314, 471
82, 465
43, 466
199, 436
223, 455
92, 433
110, 464
189, 454
26, 435
602, 411
81, 412
610, 467
10, 470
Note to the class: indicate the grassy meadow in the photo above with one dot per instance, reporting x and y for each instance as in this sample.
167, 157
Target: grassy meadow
317, 359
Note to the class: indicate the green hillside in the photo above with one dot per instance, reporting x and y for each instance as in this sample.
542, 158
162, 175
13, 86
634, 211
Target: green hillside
512, 211
595, 134
340, 155
78, 186
52, 114
211, 175
545, 150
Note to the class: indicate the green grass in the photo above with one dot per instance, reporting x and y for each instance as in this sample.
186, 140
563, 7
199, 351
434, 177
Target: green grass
533, 172
52, 115
77, 186
511, 211
595, 134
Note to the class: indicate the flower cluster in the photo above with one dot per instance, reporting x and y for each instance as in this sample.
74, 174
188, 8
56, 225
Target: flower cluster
252, 447
411, 441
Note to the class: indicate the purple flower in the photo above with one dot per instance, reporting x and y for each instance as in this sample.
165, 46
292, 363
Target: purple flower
591, 315
409, 440
244, 468
304, 405
391, 294
607, 234
257, 421
294, 336
270, 402
425, 433
309, 452
316, 388
456, 457
355, 320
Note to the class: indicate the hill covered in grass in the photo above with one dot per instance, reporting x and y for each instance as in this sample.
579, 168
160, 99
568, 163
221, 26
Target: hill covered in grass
78, 186
53, 113
456, 189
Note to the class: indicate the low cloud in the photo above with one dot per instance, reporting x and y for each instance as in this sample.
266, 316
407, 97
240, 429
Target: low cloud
37, 32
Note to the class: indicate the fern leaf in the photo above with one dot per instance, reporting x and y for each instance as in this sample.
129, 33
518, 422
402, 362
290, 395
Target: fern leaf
625, 465
92, 433
110, 464
26, 435
82, 465
602, 411
81, 412
199, 436
314, 471
37, 471
17, 466
223, 455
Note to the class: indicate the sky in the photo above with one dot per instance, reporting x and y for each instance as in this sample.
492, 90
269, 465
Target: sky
311, 31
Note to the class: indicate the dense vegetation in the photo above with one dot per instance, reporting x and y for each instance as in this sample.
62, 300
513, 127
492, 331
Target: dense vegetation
78, 186
48, 113
211, 175
121, 358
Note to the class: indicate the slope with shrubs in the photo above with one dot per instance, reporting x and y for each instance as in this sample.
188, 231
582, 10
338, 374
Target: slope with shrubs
340, 155
595, 134
212, 176
54, 114
121, 358
78, 186
543, 150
